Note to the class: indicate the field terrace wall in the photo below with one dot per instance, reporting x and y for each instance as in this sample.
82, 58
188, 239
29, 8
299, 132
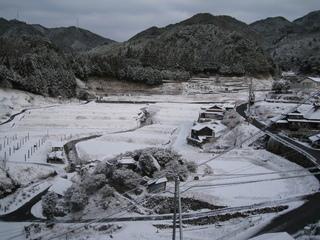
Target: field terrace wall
292, 155
71, 152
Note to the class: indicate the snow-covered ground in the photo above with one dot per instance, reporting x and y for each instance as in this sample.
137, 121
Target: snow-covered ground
241, 177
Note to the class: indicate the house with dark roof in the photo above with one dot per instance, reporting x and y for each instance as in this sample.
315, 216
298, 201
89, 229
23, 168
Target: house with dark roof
215, 112
313, 117
297, 121
200, 134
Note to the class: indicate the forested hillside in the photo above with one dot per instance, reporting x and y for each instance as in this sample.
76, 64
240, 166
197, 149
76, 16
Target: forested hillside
46, 61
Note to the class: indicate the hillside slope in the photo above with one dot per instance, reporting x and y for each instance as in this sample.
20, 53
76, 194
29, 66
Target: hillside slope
203, 44
34, 64
293, 45
46, 61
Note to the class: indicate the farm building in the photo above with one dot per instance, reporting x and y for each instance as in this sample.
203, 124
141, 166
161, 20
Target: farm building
157, 185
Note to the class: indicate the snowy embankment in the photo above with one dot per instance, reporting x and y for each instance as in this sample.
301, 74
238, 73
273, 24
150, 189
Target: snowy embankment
241, 177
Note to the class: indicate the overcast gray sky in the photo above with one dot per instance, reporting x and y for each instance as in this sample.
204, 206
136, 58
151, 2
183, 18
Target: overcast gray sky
121, 19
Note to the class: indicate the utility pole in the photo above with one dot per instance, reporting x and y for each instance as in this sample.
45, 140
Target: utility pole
175, 198
180, 208
176, 186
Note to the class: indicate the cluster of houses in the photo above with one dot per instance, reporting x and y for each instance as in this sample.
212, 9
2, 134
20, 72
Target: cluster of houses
206, 127
304, 124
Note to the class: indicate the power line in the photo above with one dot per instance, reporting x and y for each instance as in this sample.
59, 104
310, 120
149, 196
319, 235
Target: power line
249, 181
231, 176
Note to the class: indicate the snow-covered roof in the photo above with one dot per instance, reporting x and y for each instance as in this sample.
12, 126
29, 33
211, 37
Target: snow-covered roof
288, 74
200, 126
282, 121
295, 114
313, 113
298, 120
314, 138
158, 181
60, 186
126, 160
314, 79
215, 108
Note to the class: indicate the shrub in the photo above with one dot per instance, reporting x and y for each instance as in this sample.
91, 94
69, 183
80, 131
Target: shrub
93, 182
107, 191
76, 198
49, 202
126, 178
148, 164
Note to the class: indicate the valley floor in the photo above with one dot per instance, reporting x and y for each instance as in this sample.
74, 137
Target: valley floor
242, 177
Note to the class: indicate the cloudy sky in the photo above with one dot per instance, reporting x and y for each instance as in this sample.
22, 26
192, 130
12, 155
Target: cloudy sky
121, 19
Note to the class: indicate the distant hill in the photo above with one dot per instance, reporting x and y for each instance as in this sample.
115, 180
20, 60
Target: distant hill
70, 38
293, 45
47, 61
224, 22
311, 21
203, 44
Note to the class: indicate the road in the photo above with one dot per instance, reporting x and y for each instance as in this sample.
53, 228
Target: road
298, 218
23, 213
314, 153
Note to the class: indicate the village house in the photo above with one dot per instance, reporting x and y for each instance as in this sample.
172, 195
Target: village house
200, 134
310, 82
157, 185
208, 114
126, 162
204, 133
297, 121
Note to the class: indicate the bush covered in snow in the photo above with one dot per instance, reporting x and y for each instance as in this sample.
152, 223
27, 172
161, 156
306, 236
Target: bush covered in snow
126, 178
76, 198
148, 164
49, 202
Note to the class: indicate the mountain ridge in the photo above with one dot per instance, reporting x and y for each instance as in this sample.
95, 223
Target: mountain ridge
67, 38
203, 44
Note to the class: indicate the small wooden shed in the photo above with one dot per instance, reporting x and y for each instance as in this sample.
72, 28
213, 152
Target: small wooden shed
157, 185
